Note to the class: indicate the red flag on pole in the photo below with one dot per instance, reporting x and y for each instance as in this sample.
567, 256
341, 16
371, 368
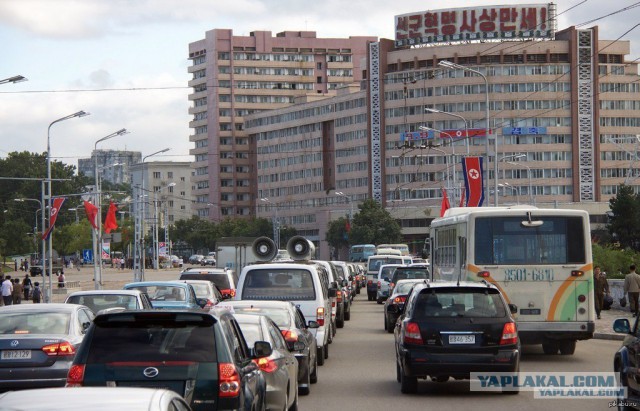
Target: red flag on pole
445, 202
473, 181
111, 222
55, 208
347, 226
462, 193
92, 214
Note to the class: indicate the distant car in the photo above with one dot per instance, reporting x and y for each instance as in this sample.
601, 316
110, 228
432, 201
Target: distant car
176, 262
395, 303
625, 361
412, 272
280, 368
385, 272
38, 343
97, 300
209, 260
294, 328
168, 295
196, 259
201, 356
449, 329
93, 398
206, 290
224, 278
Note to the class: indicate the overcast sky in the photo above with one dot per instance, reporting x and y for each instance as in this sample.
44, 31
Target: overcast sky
135, 52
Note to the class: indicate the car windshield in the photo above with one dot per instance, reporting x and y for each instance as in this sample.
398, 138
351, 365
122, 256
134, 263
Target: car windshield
278, 315
148, 341
387, 272
34, 323
403, 288
202, 290
219, 279
103, 301
278, 284
411, 274
163, 292
458, 302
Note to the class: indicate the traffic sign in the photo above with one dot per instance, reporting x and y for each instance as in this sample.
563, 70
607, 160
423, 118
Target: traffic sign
87, 255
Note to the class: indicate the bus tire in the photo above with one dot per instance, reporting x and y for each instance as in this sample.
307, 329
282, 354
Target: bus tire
567, 347
550, 347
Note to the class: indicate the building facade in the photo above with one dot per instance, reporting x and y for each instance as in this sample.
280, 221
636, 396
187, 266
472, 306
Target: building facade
563, 114
236, 76
113, 165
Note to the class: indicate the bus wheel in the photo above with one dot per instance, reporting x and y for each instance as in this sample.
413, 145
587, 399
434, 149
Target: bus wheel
567, 347
550, 347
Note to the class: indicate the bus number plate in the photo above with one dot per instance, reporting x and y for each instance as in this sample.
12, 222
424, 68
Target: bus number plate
530, 311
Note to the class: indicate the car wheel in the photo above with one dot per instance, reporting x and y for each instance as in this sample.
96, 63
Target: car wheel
347, 315
379, 300
294, 405
408, 385
306, 389
390, 326
326, 352
398, 378
621, 382
340, 322
314, 375
550, 347
321, 355
567, 347
386, 324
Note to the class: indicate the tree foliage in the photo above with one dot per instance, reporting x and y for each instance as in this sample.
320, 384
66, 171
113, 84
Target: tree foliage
624, 225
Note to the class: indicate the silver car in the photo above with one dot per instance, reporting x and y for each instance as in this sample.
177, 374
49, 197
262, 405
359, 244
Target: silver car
99, 300
95, 399
38, 343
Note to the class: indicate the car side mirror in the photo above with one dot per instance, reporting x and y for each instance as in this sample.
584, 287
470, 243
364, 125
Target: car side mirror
296, 346
622, 326
513, 308
313, 324
202, 302
387, 279
333, 292
85, 326
262, 349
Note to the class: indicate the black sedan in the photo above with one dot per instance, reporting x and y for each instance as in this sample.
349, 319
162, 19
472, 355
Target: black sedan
38, 342
395, 303
625, 364
294, 329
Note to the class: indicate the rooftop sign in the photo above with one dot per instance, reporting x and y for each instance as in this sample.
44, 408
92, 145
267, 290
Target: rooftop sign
476, 23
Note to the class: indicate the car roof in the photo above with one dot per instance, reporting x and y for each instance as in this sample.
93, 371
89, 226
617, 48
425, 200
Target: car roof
204, 270
155, 283
190, 281
248, 318
57, 307
164, 313
83, 398
259, 303
105, 292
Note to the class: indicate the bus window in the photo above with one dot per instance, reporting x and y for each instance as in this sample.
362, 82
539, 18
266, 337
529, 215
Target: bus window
360, 253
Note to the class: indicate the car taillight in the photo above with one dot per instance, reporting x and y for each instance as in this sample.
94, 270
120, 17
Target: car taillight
370, 282
320, 316
289, 335
484, 274
229, 291
75, 376
509, 334
266, 364
379, 284
228, 380
412, 334
209, 304
400, 300
59, 349
391, 285
339, 296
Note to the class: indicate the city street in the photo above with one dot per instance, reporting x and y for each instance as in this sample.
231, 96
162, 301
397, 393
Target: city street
360, 374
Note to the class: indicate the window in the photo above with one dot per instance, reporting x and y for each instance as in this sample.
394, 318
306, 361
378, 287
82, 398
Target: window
169, 174
157, 174
319, 66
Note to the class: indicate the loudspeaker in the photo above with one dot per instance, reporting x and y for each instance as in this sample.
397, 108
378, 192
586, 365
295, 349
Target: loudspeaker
264, 248
299, 248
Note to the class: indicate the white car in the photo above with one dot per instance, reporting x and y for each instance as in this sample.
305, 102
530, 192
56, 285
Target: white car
384, 275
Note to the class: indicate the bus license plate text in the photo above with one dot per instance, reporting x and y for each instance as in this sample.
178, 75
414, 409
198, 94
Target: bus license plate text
528, 274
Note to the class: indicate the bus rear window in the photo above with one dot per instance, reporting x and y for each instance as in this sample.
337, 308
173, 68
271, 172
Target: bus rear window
278, 284
504, 240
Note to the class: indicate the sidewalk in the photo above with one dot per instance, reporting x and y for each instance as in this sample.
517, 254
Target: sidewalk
604, 326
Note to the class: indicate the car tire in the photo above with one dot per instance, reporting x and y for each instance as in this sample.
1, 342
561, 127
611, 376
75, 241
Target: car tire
621, 382
326, 352
340, 321
567, 347
347, 315
550, 347
294, 404
398, 377
390, 326
386, 324
321, 355
313, 378
408, 385
306, 389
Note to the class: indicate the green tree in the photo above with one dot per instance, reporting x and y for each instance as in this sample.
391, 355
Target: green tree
337, 235
372, 224
624, 225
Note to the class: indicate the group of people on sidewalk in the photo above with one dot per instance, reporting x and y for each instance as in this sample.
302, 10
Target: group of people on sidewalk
13, 290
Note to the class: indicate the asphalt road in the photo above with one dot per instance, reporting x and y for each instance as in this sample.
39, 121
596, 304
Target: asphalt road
360, 374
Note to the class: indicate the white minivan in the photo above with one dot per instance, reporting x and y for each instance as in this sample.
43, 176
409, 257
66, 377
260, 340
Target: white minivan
306, 284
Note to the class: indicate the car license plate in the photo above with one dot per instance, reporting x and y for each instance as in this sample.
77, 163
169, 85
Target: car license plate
15, 355
462, 339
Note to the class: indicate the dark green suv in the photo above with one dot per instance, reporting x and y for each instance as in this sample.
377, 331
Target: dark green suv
201, 356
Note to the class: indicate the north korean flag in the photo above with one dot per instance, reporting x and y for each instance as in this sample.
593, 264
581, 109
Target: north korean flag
473, 181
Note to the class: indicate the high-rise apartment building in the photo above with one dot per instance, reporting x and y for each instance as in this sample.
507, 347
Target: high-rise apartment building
235, 76
113, 165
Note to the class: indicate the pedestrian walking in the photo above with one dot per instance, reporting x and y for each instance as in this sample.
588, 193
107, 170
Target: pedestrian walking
36, 295
16, 294
26, 286
601, 287
7, 291
632, 288
15, 265
61, 280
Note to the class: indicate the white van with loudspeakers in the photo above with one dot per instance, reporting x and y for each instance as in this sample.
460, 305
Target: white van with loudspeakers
301, 281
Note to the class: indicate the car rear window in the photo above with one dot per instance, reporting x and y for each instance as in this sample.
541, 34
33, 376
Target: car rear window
278, 284
411, 274
34, 323
163, 292
221, 280
251, 333
100, 302
162, 341
281, 317
403, 288
458, 302
202, 291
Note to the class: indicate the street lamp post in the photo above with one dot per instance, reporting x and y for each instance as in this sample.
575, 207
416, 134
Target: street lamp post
47, 196
532, 199
346, 197
453, 66
453, 151
97, 237
276, 223
35, 232
14, 79
156, 249
466, 129
513, 190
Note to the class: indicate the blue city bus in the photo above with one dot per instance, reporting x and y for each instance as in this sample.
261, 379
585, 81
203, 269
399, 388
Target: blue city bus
360, 253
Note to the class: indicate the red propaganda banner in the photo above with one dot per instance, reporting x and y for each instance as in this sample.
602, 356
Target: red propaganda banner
55, 208
111, 223
92, 214
473, 181
445, 202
